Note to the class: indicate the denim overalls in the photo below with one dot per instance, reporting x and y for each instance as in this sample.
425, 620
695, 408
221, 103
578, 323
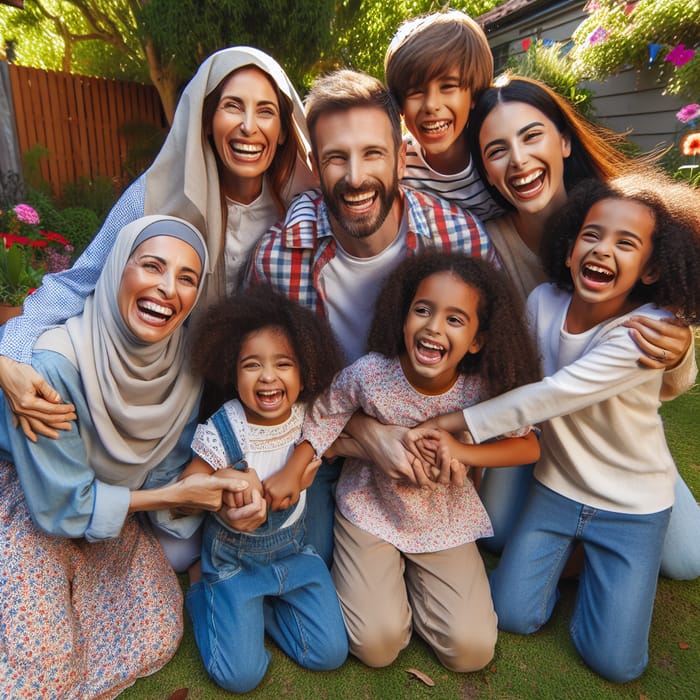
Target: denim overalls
257, 582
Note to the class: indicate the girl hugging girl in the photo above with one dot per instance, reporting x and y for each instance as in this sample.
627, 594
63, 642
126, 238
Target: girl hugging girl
447, 331
606, 476
265, 356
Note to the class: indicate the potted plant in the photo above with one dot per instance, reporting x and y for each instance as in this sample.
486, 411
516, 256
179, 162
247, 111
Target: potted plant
26, 253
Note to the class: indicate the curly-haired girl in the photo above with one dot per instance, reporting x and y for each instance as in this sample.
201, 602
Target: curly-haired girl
606, 477
446, 331
270, 355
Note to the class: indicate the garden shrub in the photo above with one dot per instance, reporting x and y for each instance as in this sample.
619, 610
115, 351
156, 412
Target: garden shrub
97, 194
80, 226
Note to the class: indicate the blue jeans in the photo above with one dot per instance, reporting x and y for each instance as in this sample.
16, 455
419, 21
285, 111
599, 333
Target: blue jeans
503, 492
681, 554
320, 510
252, 584
612, 613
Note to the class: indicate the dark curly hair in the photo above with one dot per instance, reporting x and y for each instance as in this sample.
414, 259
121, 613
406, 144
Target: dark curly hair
220, 334
675, 255
507, 358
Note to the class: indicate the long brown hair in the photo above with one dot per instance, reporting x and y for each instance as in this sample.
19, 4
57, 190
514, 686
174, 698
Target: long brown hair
282, 167
593, 152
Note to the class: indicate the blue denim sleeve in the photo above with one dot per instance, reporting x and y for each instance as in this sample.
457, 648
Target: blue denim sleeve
62, 295
60, 488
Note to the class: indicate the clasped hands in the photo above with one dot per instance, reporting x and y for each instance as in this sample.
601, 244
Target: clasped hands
429, 450
245, 510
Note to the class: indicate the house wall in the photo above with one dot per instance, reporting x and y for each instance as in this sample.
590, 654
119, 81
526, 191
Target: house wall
630, 102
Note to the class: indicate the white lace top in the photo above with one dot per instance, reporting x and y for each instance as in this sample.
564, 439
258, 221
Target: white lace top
266, 448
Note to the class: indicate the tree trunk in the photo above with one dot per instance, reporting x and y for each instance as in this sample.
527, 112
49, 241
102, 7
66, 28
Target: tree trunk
164, 79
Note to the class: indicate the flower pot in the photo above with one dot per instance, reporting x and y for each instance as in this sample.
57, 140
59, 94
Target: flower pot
8, 311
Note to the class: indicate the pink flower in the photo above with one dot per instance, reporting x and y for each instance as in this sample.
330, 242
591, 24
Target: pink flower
26, 214
679, 55
688, 113
598, 35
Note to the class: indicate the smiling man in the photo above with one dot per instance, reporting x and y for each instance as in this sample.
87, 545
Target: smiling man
335, 249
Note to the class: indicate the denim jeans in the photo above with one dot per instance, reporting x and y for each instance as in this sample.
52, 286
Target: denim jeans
503, 492
252, 584
612, 613
320, 510
681, 553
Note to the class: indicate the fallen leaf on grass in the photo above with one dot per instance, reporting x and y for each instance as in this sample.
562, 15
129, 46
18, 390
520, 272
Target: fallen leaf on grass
643, 697
180, 694
683, 645
419, 675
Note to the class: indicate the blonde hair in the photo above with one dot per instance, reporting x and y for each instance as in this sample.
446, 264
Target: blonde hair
429, 46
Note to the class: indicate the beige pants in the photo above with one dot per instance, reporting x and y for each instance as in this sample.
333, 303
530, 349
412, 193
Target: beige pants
384, 593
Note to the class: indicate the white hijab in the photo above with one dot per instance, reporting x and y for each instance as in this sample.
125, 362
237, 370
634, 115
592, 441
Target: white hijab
184, 180
139, 395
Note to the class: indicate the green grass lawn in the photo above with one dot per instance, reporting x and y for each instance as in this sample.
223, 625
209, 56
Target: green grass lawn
544, 666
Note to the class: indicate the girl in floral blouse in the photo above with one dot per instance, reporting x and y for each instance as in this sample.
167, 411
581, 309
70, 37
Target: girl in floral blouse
447, 331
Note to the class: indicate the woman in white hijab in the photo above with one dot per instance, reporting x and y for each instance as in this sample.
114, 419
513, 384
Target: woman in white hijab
235, 155
89, 602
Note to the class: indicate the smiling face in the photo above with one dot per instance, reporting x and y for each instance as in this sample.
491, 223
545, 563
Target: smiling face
246, 130
523, 154
158, 287
437, 114
268, 379
612, 252
441, 327
359, 171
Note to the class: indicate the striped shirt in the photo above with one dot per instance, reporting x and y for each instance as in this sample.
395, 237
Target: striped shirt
465, 189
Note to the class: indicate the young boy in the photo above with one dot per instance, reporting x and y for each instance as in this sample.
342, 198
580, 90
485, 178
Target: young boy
436, 66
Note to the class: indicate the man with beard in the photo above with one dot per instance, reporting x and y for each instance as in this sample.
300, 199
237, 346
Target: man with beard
334, 250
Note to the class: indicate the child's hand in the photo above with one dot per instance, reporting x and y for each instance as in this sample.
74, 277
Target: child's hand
445, 469
238, 499
282, 489
247, 518
205, 491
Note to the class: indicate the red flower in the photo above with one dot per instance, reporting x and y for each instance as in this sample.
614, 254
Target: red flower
690, 144
55, 237
38, 244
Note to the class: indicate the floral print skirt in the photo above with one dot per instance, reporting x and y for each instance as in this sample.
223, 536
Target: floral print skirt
79, 619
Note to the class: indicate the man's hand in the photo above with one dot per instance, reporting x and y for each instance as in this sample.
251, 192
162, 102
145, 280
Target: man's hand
36, 406
384, 447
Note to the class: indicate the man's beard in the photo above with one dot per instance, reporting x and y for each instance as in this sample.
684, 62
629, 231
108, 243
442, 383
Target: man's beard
366, 225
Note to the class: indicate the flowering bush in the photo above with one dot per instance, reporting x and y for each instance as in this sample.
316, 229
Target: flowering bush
27, 252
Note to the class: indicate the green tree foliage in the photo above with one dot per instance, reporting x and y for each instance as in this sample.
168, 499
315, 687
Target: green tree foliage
362, 30
163, 40
617, 34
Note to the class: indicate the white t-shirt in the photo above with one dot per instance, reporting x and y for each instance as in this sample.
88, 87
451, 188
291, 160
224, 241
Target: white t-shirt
351, 287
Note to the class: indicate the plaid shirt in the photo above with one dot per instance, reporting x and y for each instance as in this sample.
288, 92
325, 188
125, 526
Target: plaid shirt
291, 255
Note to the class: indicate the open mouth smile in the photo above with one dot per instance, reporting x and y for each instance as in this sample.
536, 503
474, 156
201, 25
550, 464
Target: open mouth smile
360, 201
246, 150
153, 312
429, 353
435, 128
528, 185
597, 274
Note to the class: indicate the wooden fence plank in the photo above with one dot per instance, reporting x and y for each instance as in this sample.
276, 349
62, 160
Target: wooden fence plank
78, 119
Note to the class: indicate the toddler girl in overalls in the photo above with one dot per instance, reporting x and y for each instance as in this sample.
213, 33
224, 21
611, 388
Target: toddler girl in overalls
263, 353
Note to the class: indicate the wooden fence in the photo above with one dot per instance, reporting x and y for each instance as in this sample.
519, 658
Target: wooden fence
78, 120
